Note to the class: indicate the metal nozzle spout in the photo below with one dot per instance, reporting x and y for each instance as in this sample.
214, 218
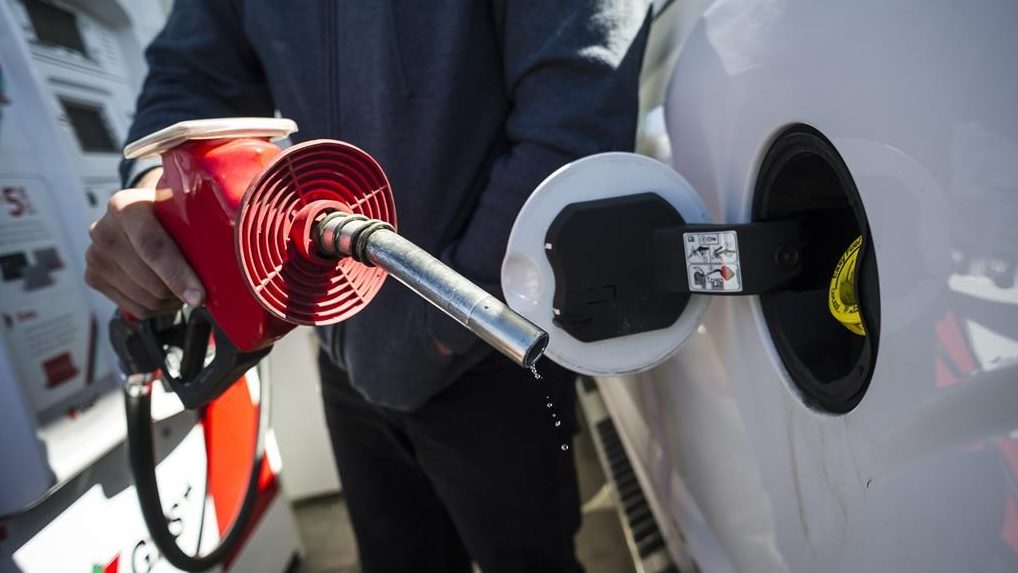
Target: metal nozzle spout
373, 242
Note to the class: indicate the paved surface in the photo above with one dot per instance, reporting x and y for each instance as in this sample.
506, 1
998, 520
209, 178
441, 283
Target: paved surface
328, 539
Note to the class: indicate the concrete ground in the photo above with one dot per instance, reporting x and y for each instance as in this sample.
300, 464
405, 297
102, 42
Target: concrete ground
329, 542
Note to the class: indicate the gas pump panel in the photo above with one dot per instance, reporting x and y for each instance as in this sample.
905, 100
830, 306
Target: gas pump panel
68, 90
70, 72
80, 53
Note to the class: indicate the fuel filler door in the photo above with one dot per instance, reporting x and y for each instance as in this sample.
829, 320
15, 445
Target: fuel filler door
615, 256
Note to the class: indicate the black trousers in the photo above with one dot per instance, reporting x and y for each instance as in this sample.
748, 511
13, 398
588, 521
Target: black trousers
481, 472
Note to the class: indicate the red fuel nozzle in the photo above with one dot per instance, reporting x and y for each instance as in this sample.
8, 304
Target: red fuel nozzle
301, 236
316, 237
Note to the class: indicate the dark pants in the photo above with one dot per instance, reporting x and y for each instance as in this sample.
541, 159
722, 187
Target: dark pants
477, 473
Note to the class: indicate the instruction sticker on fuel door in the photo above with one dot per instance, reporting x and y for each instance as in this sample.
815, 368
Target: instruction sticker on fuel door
712, 262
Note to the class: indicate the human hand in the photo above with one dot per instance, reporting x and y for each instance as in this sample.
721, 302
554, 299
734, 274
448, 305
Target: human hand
134, 262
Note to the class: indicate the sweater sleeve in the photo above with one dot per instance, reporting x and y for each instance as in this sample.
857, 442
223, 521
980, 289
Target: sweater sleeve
571, 69
199, 66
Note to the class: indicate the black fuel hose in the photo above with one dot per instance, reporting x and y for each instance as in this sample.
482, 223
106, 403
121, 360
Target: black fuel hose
142, 461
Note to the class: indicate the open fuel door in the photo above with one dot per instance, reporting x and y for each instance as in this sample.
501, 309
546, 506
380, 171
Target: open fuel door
578, 263
615, 257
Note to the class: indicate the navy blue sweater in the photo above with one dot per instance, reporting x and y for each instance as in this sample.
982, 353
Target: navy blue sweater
466, 104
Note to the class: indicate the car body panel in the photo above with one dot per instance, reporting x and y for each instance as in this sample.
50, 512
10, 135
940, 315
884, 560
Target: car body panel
919, 100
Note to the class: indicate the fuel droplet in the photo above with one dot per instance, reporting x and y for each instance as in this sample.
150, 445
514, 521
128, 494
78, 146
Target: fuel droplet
548, 404
533, 370
558, 423
565, 447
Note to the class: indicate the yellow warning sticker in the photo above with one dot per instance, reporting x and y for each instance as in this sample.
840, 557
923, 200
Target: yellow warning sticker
841, 296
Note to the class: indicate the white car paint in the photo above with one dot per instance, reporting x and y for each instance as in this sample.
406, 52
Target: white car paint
921, 100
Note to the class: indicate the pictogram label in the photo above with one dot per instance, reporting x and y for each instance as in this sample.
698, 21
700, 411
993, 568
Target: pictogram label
712, 262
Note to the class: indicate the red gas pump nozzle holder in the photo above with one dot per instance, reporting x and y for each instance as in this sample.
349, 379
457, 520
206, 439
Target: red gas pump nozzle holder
303, 236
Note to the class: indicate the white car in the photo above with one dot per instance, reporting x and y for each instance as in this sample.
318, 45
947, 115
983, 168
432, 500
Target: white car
775, 439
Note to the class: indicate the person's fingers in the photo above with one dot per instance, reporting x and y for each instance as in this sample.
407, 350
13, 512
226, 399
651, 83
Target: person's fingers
132, 209
115, 266
99, 283
102, 271
112, 257
141, 274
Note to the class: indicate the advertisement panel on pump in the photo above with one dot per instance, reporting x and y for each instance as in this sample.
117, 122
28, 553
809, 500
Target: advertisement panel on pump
69, 74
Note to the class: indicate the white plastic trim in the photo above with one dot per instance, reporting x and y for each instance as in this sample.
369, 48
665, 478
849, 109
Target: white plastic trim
222, 128
529, 283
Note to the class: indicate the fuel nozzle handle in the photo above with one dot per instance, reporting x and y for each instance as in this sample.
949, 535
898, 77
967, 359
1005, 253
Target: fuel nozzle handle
374, 242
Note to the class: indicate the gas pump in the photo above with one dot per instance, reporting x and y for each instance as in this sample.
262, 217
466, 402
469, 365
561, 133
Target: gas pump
303, 236
279, 238
68, 77
68, 74
71, 70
